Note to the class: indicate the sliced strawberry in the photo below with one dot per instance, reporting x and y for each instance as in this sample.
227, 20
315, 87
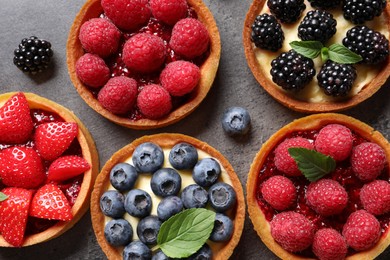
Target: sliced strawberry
52, 139
49, 202
16, 123
13, 214
67, 167
21, 167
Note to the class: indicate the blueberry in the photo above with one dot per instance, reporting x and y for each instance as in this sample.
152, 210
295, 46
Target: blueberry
118, 232
165, 182
183, 156
206, 172
123, 176
147, 229
223, 228
204, 253
138, 203
159, 255
137, 250
168, 207
112, 204
222, 196
236, 121
194, 196
148, 157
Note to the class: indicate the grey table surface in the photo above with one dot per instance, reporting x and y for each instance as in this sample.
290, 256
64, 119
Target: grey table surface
234, 85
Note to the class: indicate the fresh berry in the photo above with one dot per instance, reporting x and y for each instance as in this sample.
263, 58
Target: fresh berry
92, 70
206, 172
279, 192
159, 255
54, 138
127, 15
144, 53
267, 33
203, 253
334, 140
362, 230
180, 77
21, 167
16, 123
368, 160
169, 11
168, 207
49, 202
324, 4
165, 182
328, 244
112, 204
293, 231
292, 71
138, 203
118, 232
123, 176
183, 156
14, 214
194, 196
154, 101
375, 197
33, 55
147, 229
236, 121
67, 167
190, 38
359, 11
119, 95
223, 228
287, 11
283, 160
317, 25
148, 157
137, 250
222, 196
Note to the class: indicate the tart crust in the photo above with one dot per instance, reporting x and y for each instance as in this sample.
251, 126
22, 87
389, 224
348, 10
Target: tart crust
89, 153
164, 140
261, 225
298, 105
208, 70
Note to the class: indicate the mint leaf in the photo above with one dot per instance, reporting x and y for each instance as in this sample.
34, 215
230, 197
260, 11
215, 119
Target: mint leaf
341, 54
314, 165
3, 197
324, 54
309, 49
185, 233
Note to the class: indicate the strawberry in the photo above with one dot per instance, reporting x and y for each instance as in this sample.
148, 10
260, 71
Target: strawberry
67, 167
21, 167
16, 123
52, 139
13, 214
49, 202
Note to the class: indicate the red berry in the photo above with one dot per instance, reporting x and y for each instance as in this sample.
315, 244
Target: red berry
154, 101
375, 197
283, 161
180, 77
334, 140
279, 192
92, 70
190, 38
99, 36
119, 95
362, 230
67, 167
368, 160
329, 244
169, 11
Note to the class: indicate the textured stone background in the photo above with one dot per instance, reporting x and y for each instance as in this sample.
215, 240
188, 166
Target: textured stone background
234, 85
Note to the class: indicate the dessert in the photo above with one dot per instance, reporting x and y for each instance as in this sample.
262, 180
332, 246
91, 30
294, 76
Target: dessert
326, 211
47, 156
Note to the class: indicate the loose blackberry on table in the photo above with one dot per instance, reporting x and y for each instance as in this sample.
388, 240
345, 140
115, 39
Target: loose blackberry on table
317, 25
287, 11
267, 33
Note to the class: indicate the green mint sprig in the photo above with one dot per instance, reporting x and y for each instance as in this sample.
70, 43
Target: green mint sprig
3, 197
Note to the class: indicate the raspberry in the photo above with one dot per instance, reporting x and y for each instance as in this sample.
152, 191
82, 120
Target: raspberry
127, 15
329, 244
99, 36
92, 70
119, 95
362, 230
144, 52
283, 161
169, 11
293, 231
180, 77
279, 192
368, 160
375, 197
190, 38
154, 101
334, 140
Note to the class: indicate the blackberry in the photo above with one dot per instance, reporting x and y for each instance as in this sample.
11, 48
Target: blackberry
317, 25
371, 45
324, 4
33, 55
292, 71
336, 79
287, 11
359, 11
267, 33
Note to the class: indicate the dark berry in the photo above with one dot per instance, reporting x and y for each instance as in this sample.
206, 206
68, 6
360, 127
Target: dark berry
317, 25
138, 203
168, 207
204, 253
324, 4
236, 121
123, 176
112, 204
206, 172
287, 11
147, 229
222, 196
166, 182
159, 255
183, 156
148, 157
267, 33
223, 228
118, 232
359, 11
137, 250
194, 196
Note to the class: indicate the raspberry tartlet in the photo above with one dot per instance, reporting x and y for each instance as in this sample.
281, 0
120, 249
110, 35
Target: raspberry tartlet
139, 40
324, 217
48, 157
178, 163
